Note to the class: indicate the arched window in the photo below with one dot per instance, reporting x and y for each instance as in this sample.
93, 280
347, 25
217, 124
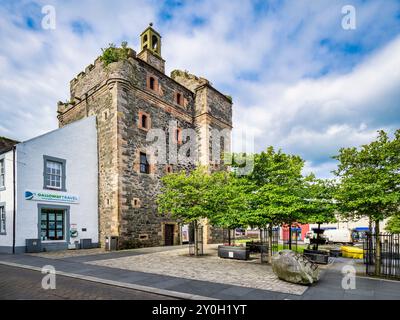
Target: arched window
154, 42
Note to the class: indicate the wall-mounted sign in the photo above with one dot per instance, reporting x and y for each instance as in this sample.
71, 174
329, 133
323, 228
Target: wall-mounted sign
51, 196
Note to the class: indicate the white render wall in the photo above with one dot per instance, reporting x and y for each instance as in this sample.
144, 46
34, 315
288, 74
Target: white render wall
351, 224
77, 144
6, 196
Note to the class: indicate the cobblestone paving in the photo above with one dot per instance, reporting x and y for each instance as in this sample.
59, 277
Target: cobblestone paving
16, 283
210, 268
62, 254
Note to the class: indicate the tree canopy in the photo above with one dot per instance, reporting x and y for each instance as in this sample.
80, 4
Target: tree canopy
370, 179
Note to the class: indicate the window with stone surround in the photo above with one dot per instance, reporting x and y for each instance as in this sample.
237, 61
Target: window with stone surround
178, 135
144, 163
168, 168
2, 174
136, 202
152, 83
144, 120
179, 99
2, 219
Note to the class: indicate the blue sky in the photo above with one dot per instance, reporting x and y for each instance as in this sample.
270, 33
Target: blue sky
299, 81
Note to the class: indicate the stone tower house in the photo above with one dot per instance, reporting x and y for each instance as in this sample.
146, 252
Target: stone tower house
130, 98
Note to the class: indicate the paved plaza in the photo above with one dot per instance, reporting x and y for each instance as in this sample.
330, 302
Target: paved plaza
170, 272
177, 263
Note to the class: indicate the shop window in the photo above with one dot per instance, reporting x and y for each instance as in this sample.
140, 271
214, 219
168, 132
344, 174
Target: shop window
52, 224
54, 173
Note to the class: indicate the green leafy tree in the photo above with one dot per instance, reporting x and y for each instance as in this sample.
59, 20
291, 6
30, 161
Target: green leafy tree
275, 191
393, 224
183, 195
186, 197
370, 182
320, 207
227, 197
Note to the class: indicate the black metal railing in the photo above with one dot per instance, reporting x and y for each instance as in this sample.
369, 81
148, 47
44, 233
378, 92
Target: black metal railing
289, 240
389, 257
196, 239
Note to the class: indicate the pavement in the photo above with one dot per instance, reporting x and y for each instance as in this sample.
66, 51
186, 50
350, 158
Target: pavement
81, 268
24, 284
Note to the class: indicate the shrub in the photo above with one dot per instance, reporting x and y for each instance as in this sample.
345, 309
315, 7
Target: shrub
114, 54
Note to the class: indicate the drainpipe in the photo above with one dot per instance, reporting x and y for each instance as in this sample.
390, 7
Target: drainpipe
14, 199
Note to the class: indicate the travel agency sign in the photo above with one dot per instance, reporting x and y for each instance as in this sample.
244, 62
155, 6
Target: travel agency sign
51, 197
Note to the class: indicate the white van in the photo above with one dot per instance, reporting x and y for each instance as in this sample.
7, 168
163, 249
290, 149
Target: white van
338, 236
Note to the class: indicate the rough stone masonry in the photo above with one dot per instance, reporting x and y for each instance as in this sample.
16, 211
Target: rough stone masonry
130, 97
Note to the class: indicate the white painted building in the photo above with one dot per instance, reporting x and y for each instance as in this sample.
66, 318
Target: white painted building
55, 188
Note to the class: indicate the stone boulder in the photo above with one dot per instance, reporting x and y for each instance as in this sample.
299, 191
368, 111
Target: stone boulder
293, 267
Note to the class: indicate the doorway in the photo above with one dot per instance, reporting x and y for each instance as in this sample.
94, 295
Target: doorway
169, 234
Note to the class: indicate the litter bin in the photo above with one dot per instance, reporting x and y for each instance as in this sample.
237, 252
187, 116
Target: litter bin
111, 243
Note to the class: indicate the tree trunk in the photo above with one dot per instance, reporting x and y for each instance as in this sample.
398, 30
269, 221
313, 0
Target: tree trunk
290, 236
196, 240
270, 243
319, 228
377, 249
229, 236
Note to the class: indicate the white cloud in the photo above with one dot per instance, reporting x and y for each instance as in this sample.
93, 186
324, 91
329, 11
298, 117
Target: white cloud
315, 117
272, 63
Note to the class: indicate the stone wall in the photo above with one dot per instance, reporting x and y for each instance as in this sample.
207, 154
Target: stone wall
116, 94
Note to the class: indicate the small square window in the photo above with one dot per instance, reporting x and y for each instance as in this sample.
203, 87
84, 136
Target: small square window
136, 202
106, 114
168, 168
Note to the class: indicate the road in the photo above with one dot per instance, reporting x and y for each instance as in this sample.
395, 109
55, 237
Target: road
17, 283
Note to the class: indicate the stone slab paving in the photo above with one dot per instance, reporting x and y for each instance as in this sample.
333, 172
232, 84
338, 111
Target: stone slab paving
210, 268
100, 253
